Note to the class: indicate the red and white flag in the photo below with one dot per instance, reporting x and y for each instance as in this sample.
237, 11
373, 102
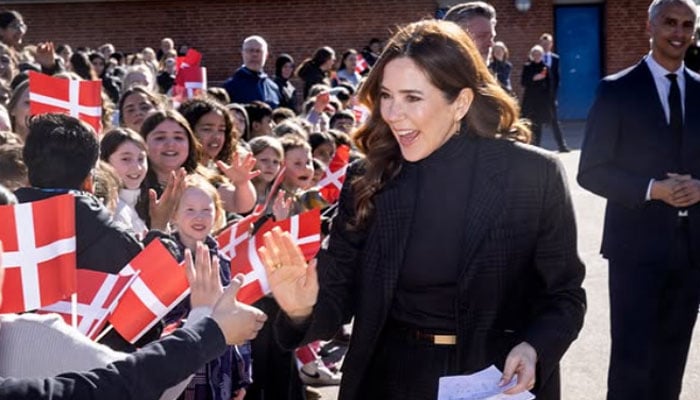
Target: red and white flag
242, 248
361, 64
190, 82
80, 99
191, 59
39, 258
98, 295
160, 285
332, 180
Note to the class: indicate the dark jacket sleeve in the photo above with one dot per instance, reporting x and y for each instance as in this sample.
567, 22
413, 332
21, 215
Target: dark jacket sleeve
560, 309
599, 169
142, 375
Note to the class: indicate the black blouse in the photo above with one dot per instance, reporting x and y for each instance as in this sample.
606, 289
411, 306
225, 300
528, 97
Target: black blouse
427, 286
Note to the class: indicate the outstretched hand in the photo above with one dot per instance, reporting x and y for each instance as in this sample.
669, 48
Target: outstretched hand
45, 54
161, 209
293, 283
241, 170
203, 276
521, 361
238, 322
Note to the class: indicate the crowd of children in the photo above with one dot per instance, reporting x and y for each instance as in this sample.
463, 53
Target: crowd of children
177, 170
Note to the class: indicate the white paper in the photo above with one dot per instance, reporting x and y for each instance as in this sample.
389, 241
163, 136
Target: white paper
482, 385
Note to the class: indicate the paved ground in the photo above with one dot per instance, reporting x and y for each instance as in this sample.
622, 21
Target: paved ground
585, 364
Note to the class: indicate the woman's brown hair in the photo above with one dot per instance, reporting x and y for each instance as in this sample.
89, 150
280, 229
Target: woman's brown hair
450, 60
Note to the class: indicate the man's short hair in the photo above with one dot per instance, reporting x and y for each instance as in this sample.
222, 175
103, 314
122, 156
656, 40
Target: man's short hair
656, 5
60, 151
257, 39
466, 11
546, 36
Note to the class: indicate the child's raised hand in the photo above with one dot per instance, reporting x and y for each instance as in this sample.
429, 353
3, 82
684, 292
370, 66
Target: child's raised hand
281, 206
161, 210
203, 276
241, 170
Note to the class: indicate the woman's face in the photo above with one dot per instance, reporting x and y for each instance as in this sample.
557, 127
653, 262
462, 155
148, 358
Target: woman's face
287, 70
536, 56
351, 62
129, 160
135, 109
167, 146
269, 163
20, 114
211, 133
14, 33
498, 53
419, 116
98, 65
299, 169
326, 66
195, 214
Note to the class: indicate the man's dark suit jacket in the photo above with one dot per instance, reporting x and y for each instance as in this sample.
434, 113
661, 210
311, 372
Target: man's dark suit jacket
521, 277
627, 143
554, 75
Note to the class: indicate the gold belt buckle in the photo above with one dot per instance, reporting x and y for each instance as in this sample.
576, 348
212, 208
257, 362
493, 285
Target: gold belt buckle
445, 339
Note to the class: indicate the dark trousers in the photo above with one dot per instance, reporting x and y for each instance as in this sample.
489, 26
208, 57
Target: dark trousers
653, 309
275, 374
407, 369
556, 128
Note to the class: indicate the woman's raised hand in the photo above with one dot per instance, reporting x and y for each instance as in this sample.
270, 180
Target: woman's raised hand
293, 283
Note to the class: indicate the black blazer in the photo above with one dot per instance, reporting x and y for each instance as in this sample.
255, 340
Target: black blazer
521, 277
537, 97
627, 143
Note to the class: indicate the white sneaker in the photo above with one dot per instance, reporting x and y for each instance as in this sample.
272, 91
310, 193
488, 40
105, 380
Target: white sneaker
316, 374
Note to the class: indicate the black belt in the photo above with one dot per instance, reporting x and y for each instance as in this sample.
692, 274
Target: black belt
421, 335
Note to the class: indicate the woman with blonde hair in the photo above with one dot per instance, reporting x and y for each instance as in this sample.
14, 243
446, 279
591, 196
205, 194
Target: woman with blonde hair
454, 243
500, 66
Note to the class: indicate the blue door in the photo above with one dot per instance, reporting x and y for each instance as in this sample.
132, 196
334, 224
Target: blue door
577, 39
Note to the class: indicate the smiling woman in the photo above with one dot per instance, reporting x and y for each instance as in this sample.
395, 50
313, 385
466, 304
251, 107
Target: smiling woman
453, 243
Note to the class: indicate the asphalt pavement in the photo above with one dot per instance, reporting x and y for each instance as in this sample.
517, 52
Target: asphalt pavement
584, 367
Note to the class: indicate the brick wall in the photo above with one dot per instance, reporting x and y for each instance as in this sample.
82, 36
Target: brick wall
298, 27
217, 28
626, 40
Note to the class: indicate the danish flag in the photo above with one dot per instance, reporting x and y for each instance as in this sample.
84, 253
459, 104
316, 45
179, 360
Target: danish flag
361, 64
191, 77
39, 258
80, 99
160, 285
98, 295
332, 180
190, 81
242, 248
191, 59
